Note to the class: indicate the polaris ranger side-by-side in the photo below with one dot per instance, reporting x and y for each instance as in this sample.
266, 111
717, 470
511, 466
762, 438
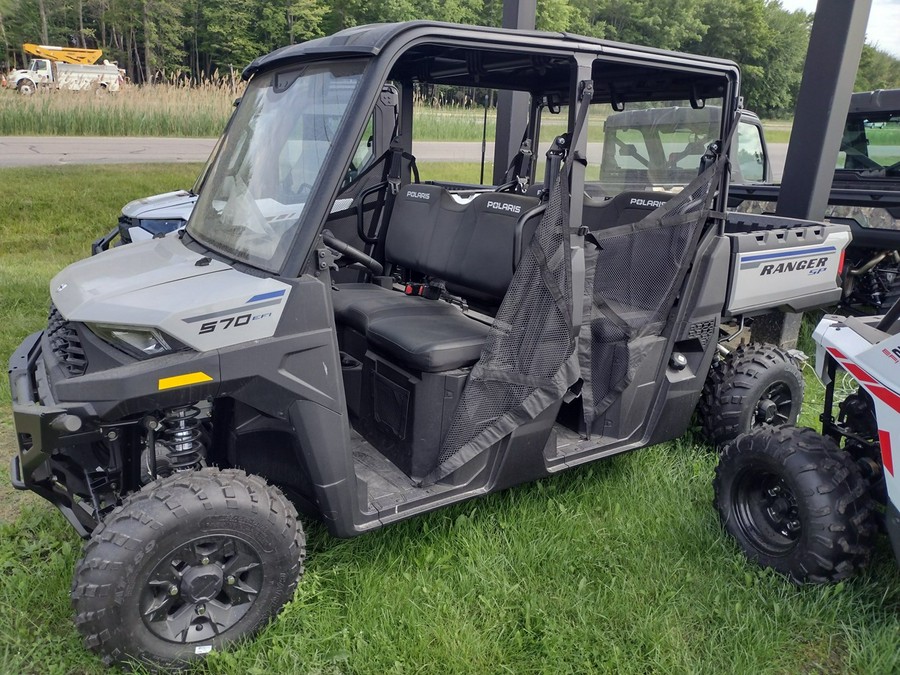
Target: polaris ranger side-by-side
366, 346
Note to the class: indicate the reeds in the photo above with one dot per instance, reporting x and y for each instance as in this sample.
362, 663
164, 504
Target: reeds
172, 107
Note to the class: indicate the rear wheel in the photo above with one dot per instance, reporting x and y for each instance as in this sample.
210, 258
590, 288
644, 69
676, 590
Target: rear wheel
796, 503
754, 385
189, 564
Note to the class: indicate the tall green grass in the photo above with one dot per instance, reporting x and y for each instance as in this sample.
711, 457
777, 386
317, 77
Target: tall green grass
201, 111
159, 110
616, 567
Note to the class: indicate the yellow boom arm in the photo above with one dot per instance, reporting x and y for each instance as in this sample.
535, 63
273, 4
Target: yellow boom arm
64, 54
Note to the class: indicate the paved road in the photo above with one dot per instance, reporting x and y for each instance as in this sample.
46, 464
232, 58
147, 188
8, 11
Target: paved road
60, 150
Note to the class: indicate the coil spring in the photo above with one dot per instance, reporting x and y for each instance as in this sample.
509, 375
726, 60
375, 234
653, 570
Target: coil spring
181, 436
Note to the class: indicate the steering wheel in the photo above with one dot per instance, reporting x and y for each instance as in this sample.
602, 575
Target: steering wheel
353, 254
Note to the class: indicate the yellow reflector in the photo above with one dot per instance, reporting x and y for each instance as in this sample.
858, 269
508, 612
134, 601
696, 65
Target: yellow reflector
183, 380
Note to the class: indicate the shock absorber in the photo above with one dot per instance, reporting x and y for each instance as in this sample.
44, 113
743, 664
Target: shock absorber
181, 436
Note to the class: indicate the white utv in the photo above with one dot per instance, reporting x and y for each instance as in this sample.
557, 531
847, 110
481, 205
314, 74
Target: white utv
810, 505
367, 347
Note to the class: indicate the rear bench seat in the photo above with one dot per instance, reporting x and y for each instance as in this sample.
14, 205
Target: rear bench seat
623, 209
471, 246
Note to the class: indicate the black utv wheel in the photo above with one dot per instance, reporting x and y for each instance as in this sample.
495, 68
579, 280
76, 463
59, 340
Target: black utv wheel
796, 503
188, 565
753, 385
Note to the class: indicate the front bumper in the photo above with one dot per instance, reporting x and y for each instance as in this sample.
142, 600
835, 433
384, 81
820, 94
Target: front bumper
64, 444
40, 431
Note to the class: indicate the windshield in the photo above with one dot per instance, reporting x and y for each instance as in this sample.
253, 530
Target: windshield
656, 147
871, 144
253, 200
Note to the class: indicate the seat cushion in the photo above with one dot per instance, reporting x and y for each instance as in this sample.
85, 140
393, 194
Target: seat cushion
357, 305
430, 343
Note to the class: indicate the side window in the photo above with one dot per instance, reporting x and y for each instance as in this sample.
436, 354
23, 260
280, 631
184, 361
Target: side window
364, 154
364, 151
751, 158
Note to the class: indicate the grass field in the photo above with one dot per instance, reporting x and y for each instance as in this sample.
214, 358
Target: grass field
618, 567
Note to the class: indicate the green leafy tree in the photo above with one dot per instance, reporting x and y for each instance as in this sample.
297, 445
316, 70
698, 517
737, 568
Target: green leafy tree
229, 32
667, 24
776, 92
767, 42
877, 70
305, 19
163, 37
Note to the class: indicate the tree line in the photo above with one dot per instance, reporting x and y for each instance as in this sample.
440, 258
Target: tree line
153, 39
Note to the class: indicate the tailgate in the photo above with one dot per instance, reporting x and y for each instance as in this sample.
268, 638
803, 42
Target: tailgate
783, 263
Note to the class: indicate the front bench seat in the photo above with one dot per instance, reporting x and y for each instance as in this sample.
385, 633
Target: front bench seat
473, 246
430, 343
358, 305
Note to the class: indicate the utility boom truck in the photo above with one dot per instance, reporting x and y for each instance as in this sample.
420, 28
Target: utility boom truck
332, 334
65, 68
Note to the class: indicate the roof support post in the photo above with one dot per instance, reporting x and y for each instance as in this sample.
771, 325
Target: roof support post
512, 106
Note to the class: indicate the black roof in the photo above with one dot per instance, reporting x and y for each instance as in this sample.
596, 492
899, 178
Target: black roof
373, 38
878, 101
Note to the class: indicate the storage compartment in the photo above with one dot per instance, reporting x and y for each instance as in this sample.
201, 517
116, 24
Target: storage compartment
783, 263
352, 371
405, 415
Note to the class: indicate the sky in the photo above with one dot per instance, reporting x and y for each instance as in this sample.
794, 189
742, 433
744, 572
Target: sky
883, 30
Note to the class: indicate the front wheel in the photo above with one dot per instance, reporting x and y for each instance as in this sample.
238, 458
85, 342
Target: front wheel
795, 502
190, 564
25, 87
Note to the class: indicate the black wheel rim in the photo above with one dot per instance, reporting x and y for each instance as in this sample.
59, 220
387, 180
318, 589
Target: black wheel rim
766, 511
774, 406
201, 589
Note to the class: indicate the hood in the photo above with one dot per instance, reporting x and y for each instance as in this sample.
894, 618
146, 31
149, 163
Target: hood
103, 279
158, 284
166, 206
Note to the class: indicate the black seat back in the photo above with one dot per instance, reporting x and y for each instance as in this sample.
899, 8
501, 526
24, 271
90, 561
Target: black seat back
623, 209
473, 244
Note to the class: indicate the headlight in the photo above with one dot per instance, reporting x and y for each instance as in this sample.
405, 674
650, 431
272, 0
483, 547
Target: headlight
156, 226
140, 342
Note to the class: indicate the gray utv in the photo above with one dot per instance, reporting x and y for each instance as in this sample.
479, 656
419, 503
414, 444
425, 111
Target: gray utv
365, 346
